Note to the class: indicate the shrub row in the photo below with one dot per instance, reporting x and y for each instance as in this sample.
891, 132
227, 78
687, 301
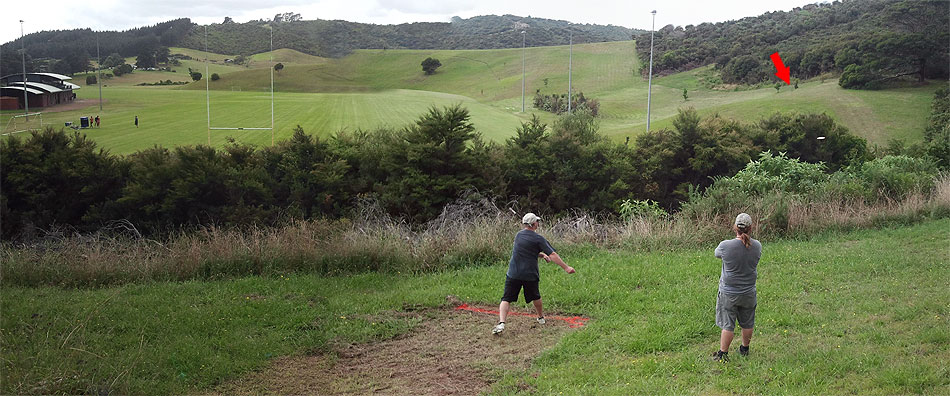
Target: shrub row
55, 180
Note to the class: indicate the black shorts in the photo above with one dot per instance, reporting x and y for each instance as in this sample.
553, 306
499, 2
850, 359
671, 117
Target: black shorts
513, 286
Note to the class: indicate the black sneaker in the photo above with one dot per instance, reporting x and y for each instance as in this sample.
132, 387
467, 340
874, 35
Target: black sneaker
720, 356
743, 350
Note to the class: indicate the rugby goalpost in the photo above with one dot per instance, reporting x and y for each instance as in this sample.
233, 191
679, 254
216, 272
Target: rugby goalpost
207, 77
15, 122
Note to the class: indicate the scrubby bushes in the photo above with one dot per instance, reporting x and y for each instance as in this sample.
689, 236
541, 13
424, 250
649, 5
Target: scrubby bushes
557, 103
53, 181
779, 188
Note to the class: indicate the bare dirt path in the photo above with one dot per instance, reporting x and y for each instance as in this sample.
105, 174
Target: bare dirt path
451, 352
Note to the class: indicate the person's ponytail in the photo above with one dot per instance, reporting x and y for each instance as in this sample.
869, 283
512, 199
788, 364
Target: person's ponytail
743, 235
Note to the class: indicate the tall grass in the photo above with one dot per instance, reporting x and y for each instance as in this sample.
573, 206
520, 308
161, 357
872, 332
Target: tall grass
465, 234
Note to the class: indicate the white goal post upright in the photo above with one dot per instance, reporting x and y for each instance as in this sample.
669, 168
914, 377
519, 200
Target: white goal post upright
208, 93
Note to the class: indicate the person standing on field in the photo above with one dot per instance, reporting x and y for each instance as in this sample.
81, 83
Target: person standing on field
737, 296
523, 272
136, 121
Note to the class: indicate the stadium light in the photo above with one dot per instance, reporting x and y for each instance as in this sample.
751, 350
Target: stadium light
522, 70
26, 101
570, 64
650, 81
98, 72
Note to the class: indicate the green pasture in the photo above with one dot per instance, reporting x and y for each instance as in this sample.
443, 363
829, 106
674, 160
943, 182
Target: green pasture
169, 117
387, 87
864, 313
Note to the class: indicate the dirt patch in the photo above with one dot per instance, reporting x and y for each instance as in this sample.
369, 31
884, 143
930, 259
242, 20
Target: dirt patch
77, 104
451, 352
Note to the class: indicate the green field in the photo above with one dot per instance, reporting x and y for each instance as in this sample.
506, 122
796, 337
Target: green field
856, 313
370, 88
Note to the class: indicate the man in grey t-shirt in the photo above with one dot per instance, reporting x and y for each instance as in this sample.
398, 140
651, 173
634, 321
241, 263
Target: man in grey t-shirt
737, 298
523, 269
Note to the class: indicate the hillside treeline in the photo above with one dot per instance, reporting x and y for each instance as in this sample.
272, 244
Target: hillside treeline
73, 51
338, 38
52, 179
871, 42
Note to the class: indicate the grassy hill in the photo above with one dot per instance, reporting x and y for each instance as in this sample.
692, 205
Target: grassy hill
371, 88
606, 71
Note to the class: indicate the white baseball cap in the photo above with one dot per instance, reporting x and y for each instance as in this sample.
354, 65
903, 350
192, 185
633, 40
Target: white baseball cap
530, 218
743, 220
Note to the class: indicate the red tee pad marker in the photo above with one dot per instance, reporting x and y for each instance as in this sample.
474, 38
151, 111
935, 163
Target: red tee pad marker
573, 321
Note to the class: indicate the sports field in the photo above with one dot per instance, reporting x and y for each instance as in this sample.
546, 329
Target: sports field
375, 88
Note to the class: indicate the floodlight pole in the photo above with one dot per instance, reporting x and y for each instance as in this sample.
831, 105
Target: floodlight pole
650, 81
522, 70
570, 64
207, 87
98, 73
26, 100
272, 86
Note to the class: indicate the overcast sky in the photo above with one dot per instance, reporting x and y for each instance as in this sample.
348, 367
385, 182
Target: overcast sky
125, 14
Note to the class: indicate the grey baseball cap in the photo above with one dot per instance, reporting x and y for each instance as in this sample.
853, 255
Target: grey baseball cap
743, 220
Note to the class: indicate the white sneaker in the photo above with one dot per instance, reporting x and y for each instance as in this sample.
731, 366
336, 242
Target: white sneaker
500, 327
541, 320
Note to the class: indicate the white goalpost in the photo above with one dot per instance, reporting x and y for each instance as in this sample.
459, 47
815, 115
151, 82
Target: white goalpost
208, 95
23, 123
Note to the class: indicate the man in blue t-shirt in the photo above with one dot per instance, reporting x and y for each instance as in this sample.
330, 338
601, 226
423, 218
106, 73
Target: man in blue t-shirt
523, 269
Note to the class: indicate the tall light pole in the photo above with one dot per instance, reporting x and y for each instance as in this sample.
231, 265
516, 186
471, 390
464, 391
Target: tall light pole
650, 81
570, 64
522, 70
98, 73
26, 101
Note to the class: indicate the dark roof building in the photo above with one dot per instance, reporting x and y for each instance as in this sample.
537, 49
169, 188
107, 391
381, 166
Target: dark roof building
42, 90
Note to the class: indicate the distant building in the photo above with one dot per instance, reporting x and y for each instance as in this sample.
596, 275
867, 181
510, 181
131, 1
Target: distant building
42, 90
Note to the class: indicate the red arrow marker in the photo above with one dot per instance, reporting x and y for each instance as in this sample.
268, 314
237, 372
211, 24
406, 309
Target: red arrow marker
783, 72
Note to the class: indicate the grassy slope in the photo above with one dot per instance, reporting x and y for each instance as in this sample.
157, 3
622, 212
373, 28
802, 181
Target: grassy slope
488, 82
858, 313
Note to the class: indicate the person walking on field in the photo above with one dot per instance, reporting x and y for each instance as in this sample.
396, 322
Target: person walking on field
523, 269
136, 121
737, 296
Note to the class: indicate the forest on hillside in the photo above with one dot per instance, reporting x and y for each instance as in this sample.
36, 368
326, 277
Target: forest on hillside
869, 42
73, 51
338, 38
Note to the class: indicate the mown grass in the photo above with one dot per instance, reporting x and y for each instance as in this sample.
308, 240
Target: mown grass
326, 95
864, 312
169, 117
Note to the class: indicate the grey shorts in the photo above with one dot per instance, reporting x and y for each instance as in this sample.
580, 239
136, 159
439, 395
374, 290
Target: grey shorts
735, 307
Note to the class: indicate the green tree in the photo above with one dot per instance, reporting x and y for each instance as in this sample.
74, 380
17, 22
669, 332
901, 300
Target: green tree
429, 65
124, 68
430, 164
113, 60
91, 80
162, 54
215, 77
685, 95
145, 59
195, 76
278, 67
